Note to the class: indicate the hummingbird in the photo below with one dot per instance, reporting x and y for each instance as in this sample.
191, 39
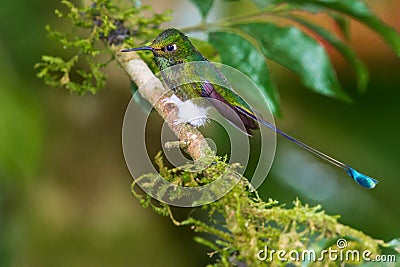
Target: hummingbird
173, 49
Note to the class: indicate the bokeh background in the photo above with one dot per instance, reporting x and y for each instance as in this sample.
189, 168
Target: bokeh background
65, 190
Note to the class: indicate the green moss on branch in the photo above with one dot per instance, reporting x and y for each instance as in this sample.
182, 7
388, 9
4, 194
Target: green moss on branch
240, 224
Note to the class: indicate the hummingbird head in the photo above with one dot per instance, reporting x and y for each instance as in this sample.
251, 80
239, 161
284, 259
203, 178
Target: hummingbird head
171, 47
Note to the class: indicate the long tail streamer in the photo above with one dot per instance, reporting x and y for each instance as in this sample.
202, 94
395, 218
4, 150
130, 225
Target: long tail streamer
362, 179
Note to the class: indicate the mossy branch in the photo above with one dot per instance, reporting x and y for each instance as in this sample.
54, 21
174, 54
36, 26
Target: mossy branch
241, 224
109, 25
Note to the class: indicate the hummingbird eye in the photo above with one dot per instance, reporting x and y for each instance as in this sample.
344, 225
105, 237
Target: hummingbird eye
171, 47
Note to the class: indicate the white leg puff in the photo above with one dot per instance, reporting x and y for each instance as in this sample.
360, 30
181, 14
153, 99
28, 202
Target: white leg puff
172, 100
188, 112
192, 113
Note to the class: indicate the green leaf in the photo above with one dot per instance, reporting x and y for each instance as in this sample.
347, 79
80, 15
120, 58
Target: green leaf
262, 3
205, 48
300, 53
204, 6
346, 51
342, 23
359, 10
241, 54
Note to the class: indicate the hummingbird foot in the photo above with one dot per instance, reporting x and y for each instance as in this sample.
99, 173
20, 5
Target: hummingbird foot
177, 144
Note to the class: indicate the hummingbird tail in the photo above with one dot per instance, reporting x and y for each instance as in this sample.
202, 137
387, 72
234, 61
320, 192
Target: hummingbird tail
362, 179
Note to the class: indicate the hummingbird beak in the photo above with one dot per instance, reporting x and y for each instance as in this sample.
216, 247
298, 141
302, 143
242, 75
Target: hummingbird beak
138, 49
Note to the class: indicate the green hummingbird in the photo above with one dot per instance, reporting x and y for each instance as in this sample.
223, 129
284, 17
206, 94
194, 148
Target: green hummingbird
173, 49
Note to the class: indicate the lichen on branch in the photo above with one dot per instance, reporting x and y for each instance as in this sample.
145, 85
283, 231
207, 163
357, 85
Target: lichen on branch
94, 29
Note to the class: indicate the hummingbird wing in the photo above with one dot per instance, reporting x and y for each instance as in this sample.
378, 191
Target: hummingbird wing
229, 109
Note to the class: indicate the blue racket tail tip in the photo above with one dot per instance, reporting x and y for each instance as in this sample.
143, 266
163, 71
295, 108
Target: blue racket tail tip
362, 179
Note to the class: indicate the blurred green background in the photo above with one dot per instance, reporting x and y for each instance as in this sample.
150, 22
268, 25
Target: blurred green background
65, 190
